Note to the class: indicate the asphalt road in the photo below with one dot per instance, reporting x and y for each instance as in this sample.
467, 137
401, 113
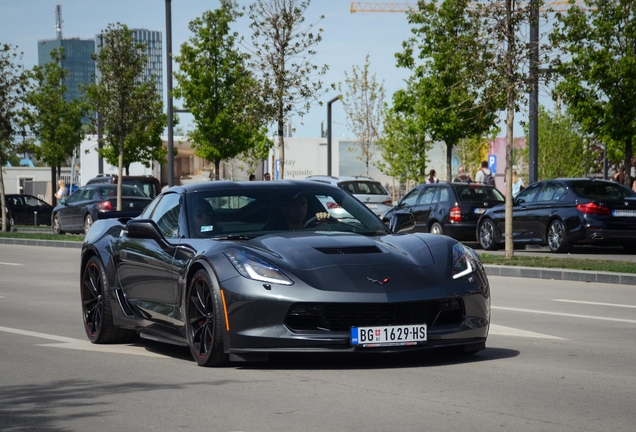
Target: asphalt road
560, 357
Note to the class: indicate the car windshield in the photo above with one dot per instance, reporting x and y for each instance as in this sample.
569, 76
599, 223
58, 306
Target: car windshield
601, 191
258, 211
478, 193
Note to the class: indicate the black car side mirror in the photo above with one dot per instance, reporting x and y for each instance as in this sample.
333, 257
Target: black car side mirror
145, 229
401, 221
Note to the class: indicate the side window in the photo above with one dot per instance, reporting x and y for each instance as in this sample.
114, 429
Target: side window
77, 196
149, 209
166, 215
427, 196
410, 199
528, 194
547, 193
444, 195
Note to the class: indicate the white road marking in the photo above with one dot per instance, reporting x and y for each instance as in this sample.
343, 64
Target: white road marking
11, 264
499, 330
565, 314
84, 345
595, 303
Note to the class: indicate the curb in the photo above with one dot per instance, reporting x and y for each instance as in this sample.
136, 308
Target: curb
491, 270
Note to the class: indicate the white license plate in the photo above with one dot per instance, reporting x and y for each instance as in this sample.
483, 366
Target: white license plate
624, 213
372, 206
410, 334
479, 210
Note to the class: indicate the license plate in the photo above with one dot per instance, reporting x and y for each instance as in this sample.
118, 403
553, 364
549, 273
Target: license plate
373, 206
411, 334
479, 210
624, 213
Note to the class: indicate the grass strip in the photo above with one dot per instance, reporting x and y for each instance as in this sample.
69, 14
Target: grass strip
42, 236
560, 263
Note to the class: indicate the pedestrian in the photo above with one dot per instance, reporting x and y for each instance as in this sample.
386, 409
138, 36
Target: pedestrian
61, 191
462, 177
252, 177
267, 177
484, 175
431, 177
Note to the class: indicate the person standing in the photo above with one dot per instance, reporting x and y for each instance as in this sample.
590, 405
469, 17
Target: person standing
517, 183
462, 177
267, 177
61, 191
484, 175
431, 177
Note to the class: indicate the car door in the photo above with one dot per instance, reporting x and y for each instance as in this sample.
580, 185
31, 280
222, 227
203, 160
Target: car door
425, 205
146, 268
409, 202
72, 212
36, 211
523, 223
539, 212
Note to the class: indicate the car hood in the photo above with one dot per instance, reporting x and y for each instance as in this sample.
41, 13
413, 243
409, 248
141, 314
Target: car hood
345, 262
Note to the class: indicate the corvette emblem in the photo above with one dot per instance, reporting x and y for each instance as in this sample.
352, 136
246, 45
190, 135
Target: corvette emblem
382, 282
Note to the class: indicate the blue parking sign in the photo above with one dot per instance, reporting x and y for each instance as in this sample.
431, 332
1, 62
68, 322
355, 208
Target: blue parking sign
492, 163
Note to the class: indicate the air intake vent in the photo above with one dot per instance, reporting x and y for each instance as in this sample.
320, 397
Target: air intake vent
349, 250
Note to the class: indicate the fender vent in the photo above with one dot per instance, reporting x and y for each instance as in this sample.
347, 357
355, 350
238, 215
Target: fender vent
349, 250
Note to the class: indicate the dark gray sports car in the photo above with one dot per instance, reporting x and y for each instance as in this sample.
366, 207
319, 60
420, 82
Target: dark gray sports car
237, 271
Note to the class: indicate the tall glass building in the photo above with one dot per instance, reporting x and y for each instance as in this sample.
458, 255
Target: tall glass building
78, 60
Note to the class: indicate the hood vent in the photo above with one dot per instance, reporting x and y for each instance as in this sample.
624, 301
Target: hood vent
347, 250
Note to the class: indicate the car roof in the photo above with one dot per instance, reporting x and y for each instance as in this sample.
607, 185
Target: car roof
256, 185
334, 180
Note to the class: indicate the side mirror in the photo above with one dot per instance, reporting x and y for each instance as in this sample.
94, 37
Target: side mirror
145, 229
401, 221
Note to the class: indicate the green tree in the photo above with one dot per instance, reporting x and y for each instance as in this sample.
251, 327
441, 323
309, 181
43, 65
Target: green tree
13, 85
458, 96
363, 102
218, 89
564, 150
55, 122
403, 145
128, 105
599, 74
282, 45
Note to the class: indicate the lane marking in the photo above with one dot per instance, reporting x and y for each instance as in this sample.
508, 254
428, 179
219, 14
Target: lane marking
499, 330
595, 303
84, 345
11, 264
565, 314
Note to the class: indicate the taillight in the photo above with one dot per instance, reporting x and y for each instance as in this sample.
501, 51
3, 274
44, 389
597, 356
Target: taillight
455, 214
105, 205
593, 208
387, 203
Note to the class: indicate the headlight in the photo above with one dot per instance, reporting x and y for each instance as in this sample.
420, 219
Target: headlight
464, 260
256, 268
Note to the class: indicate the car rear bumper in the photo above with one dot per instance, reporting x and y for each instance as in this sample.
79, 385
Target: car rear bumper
593, 236
461, 231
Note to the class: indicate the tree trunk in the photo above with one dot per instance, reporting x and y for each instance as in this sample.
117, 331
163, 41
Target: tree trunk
3, 208
281, 153
449, 161
217, 169
120, 172
629, 152
53, 186
510, 119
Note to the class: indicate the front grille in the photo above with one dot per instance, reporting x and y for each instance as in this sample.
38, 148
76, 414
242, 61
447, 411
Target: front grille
339, 317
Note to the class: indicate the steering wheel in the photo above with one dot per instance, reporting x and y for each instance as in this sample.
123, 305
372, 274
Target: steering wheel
312, 222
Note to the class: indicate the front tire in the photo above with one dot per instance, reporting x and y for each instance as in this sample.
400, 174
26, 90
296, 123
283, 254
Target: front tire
204, 322
96, 309
57, 225
557, 237
487, 235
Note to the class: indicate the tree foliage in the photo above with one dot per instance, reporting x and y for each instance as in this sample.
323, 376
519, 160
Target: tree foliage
403, 145
599, 70
131, 110
363, 102
54, 121
13, 85
457, 92
282, 48
219, 91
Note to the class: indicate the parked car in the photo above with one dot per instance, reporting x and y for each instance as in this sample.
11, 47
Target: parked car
370, 192
27, 210
564, 212
201, 267
149, 184
452, 209
89, 203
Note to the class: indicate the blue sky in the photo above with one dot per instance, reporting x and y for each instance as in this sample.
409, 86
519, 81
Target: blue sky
347, 39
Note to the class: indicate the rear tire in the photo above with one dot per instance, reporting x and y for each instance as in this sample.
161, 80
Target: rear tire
96, 308
487, 235
557, 237
88, 223
436, 228
205, 322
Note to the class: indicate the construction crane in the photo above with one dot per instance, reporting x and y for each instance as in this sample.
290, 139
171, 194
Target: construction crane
548, 6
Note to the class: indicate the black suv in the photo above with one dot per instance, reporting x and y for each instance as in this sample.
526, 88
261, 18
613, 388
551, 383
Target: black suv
148, 184
452, 209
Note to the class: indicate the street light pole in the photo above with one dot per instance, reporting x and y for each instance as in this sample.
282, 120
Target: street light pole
329, 132
533, 127
169, 88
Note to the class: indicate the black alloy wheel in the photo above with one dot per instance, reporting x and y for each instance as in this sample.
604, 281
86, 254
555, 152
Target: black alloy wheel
556, 237
204, 322
487, 235
96, 309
